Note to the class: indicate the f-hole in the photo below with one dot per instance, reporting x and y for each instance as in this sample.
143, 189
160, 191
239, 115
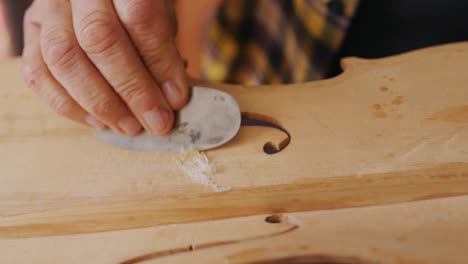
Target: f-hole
252, 119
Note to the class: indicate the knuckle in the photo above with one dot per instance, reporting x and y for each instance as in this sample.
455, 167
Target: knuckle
159, 60
100, 105
142, 16
133, 93
59, 48
163, 65
58, 3
98, 33
62, 105
138, 12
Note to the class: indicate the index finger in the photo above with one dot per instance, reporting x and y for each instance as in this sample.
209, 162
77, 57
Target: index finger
108, 46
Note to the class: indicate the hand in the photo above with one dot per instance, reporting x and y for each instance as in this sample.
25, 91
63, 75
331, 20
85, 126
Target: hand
106, 63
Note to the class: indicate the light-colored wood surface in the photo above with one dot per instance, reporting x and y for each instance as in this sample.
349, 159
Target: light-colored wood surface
386, 131
425, 232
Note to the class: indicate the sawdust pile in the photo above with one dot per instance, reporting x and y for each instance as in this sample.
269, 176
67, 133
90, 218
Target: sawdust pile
199, 169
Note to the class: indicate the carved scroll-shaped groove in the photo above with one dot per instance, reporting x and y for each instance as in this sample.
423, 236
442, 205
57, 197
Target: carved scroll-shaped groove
291, 226
252, 119
313, 259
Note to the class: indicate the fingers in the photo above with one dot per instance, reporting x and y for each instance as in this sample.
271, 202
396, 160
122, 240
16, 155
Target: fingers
90, 68
40, 80
151, 25
72, 68
108, 46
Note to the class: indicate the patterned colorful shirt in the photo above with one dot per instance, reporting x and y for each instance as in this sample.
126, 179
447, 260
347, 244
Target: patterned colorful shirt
275, 41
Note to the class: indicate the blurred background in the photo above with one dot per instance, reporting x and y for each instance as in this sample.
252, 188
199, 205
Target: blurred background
4, 37
11, 23
379, 27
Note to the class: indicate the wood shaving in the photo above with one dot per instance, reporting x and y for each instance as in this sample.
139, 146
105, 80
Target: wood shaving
198, 168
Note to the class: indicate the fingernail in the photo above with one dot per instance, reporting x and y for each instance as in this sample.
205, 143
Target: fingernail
129, 125
157, 120
172, 93
92, 121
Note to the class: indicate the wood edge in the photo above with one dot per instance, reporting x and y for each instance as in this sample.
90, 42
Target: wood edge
349, 65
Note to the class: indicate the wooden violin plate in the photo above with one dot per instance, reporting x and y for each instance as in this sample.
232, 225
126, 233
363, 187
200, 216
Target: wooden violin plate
385, 131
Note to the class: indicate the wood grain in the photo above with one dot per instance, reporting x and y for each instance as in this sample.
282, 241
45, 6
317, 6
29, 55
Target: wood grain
320, 194
366, 137
424, 232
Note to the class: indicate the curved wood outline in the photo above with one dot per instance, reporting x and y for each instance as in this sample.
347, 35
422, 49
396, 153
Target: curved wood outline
193, 247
